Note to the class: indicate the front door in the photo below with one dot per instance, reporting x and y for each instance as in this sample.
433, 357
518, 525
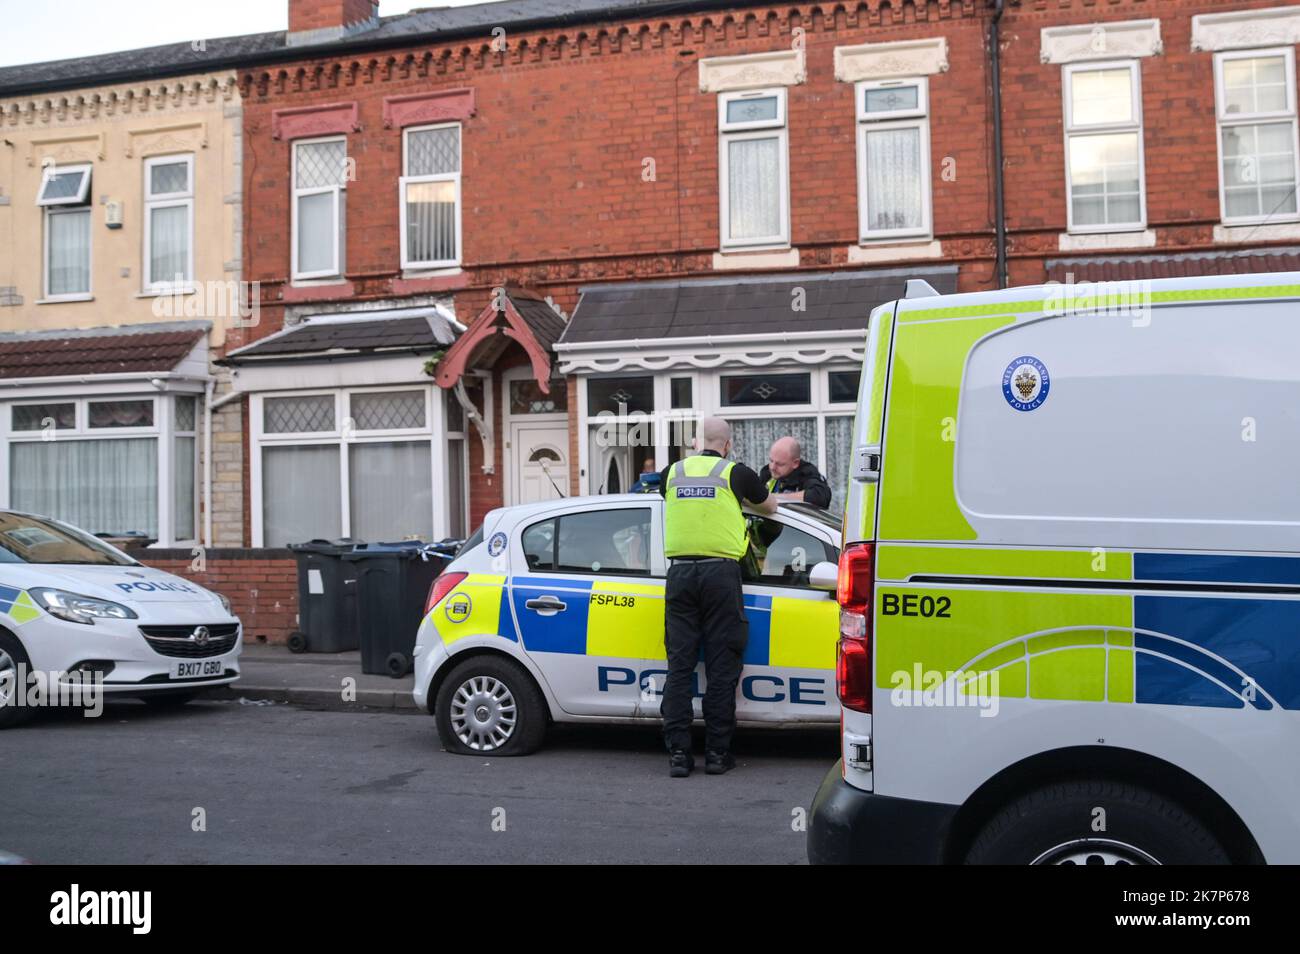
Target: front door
539, 456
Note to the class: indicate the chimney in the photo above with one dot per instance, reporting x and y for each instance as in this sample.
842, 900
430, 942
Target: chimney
319, 21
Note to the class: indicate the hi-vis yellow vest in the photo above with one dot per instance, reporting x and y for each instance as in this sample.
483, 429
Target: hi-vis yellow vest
702, 517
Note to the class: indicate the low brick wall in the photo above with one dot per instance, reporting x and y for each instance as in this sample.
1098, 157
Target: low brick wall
262, 585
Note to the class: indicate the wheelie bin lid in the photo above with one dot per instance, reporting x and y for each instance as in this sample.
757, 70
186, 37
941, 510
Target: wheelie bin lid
329, 547
401, 550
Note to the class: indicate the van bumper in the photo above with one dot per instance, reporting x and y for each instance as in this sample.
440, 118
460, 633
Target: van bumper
852, 827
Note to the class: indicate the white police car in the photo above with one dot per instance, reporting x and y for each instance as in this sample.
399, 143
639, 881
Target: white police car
555, 611
76, 612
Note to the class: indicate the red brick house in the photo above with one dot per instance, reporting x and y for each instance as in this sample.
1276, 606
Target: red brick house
489, 237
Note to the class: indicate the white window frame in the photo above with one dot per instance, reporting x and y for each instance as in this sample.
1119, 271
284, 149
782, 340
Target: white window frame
336, 271
1135, 125
168, 200
406, 180
163, 430
61, 209
759, 129
345, 438
83, 194
867, 122
1223, 120
707, 391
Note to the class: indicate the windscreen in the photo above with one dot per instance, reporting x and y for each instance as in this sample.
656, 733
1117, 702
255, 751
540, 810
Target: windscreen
40, 540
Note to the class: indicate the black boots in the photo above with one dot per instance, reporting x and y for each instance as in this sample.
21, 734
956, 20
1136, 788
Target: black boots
718, 763
680, 763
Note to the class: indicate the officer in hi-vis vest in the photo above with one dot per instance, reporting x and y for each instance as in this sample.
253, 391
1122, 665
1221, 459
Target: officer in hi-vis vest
704, 537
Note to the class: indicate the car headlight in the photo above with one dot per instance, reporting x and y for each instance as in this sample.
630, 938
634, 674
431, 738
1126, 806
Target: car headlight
225, 602
76, 608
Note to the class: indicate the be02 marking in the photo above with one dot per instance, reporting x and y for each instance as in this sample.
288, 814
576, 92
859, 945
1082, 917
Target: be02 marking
931, 607
612, 599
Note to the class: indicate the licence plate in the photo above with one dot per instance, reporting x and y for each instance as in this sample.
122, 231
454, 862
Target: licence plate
197, 668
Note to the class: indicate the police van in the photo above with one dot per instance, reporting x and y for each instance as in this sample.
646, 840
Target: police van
81, 620
554, 611
1070, 586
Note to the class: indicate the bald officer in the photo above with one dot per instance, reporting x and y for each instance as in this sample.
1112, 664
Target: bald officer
704, 538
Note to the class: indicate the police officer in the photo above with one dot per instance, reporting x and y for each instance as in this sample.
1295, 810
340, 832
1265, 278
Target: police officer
791, 478
705, 537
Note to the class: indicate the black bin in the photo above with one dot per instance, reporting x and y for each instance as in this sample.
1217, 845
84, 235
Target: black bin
327, 598
393, 581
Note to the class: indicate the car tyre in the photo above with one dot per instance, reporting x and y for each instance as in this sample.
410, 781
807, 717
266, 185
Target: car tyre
489, 705
1097, 822
12, 655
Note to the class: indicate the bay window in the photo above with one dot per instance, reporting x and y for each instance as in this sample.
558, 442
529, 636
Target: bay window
168, 223
110, 465
1259, 162
319, 207
353, 463
753, 169
430, 197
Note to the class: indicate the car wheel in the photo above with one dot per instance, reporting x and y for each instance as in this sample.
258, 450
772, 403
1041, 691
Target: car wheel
488, 705
169, 700
12, 657
1095, 823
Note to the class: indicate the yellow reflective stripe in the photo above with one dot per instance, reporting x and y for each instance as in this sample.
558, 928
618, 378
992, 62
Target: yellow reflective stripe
877, 374
484, 619
1099, 301
803, 633
917, 497
633, 627
895, 562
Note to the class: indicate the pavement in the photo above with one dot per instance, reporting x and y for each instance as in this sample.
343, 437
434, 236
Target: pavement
219, 782
332, 681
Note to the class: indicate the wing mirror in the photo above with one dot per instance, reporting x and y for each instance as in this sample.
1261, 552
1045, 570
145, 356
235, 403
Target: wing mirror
824, 576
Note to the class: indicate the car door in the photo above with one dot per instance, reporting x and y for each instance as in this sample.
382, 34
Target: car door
789, 673
589, 606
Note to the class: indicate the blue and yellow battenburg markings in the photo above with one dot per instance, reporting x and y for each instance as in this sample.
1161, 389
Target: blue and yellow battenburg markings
17, 605
625, 619
483, 617
1161, 648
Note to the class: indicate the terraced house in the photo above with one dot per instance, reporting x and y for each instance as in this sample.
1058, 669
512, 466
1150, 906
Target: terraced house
509, 251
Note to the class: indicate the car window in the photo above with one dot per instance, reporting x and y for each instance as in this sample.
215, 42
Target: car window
598, 541
782, 555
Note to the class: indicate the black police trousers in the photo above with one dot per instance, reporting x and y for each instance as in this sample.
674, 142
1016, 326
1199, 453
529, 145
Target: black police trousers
704, 616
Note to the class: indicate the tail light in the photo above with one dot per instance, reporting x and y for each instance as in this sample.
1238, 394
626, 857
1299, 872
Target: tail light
853, 660
444, 584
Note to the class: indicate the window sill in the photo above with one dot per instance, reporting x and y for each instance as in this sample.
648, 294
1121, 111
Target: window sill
168, 292
317, 282
735, 259
1237, 233
1094, 241
64, 299
440, 271
894, 250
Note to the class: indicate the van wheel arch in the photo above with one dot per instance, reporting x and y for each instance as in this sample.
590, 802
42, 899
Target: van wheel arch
1080, 763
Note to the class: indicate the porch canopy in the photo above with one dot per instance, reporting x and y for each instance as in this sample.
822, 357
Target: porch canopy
353, 348
710, 322
514, 315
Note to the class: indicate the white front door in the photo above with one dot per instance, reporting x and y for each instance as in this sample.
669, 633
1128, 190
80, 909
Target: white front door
540, 461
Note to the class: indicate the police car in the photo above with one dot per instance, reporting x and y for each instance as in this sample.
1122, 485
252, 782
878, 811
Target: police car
554, 611
76, 611
1070, 585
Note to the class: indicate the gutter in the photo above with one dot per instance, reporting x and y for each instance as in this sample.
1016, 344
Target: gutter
999, 199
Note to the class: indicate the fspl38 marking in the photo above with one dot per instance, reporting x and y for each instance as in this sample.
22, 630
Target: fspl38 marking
612, 599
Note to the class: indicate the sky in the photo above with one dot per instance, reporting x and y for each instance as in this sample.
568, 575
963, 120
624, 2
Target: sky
32, 31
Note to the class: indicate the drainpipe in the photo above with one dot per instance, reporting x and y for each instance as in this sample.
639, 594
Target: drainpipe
1000, 212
